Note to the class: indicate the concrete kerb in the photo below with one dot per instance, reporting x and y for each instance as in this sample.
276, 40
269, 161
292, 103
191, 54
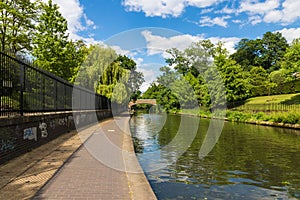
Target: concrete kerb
137, 181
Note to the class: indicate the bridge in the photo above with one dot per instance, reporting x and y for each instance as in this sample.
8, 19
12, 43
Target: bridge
142, 101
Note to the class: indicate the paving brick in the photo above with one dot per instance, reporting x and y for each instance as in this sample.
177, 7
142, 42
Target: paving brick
85, 177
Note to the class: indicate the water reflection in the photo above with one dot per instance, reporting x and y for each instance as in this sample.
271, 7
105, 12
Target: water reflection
248, 162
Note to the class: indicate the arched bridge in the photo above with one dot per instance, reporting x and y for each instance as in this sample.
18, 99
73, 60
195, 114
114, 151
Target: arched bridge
142, 101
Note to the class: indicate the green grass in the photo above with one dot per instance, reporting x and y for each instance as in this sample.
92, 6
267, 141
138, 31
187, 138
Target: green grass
277, 108
284, 98
275, 103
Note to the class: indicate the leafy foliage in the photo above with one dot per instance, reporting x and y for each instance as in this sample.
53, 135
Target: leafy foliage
266, 52
52, 49
110, 74
17, 19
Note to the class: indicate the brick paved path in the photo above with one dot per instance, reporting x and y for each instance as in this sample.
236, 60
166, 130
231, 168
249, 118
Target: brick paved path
85, 177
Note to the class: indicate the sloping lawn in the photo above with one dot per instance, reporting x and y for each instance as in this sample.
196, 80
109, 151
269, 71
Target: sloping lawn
283, 99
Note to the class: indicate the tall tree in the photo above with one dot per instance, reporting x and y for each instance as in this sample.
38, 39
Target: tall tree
17, 19
53, 51
246, 52
135, 78
99, 58
109, 74
291, 60
233, 76
266, 52
259, 81
273, 49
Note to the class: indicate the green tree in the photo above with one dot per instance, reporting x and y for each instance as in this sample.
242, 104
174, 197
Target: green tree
17, 19
99, 58
246, 52
166, 97
53, 51
110, 74
192, 63
135, 79
291, 60
114, 77
152, 92
233, 75
259, 81
273, 49
266, 52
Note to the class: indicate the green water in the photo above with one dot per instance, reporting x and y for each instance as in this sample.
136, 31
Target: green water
247, 162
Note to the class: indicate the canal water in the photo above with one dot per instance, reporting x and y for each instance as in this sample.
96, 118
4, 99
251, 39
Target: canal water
247, 161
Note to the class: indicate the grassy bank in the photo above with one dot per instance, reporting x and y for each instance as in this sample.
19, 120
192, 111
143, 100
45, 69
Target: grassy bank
276, 117
238, 116
279, 110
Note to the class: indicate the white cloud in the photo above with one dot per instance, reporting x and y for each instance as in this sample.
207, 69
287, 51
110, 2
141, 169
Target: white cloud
165, 8
227, 10
268, 11
139, 61
290, 10
254, 7
156, 7
120, 51
237, 21
290, 34
207, 10
149, 76
229, 42
272, 11
220, 21
157, 44
273, 16
202, 3
255, 19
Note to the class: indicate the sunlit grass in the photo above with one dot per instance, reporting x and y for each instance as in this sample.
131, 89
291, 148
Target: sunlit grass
274, 99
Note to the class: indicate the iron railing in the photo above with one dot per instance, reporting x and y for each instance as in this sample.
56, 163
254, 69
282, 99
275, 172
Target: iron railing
25, 89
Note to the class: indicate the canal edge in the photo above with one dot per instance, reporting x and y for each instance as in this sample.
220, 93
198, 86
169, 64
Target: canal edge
254, 122
138, 184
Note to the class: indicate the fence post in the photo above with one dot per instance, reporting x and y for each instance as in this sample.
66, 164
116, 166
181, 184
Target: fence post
56, 99
22, 84
1, 79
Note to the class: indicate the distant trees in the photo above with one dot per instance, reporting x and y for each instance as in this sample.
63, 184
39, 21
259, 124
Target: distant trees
258, 67
291, 60
266, 52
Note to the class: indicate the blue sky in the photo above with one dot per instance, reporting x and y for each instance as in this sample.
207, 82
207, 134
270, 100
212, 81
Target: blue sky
144, 29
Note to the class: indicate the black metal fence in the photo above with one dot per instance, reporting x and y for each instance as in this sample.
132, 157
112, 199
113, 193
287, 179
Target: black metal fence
270, 107
25, 89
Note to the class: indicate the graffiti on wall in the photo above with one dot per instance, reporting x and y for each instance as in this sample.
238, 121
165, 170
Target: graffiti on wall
7, 144
43, 128
63, 121
30, 134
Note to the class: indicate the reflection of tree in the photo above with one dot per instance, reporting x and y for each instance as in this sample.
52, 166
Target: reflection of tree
138, 144
256, 156
169, 130
245, 154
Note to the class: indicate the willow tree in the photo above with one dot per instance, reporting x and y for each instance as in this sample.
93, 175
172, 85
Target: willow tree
109, 74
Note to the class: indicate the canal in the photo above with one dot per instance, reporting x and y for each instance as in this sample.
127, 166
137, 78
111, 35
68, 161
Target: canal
247, 161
